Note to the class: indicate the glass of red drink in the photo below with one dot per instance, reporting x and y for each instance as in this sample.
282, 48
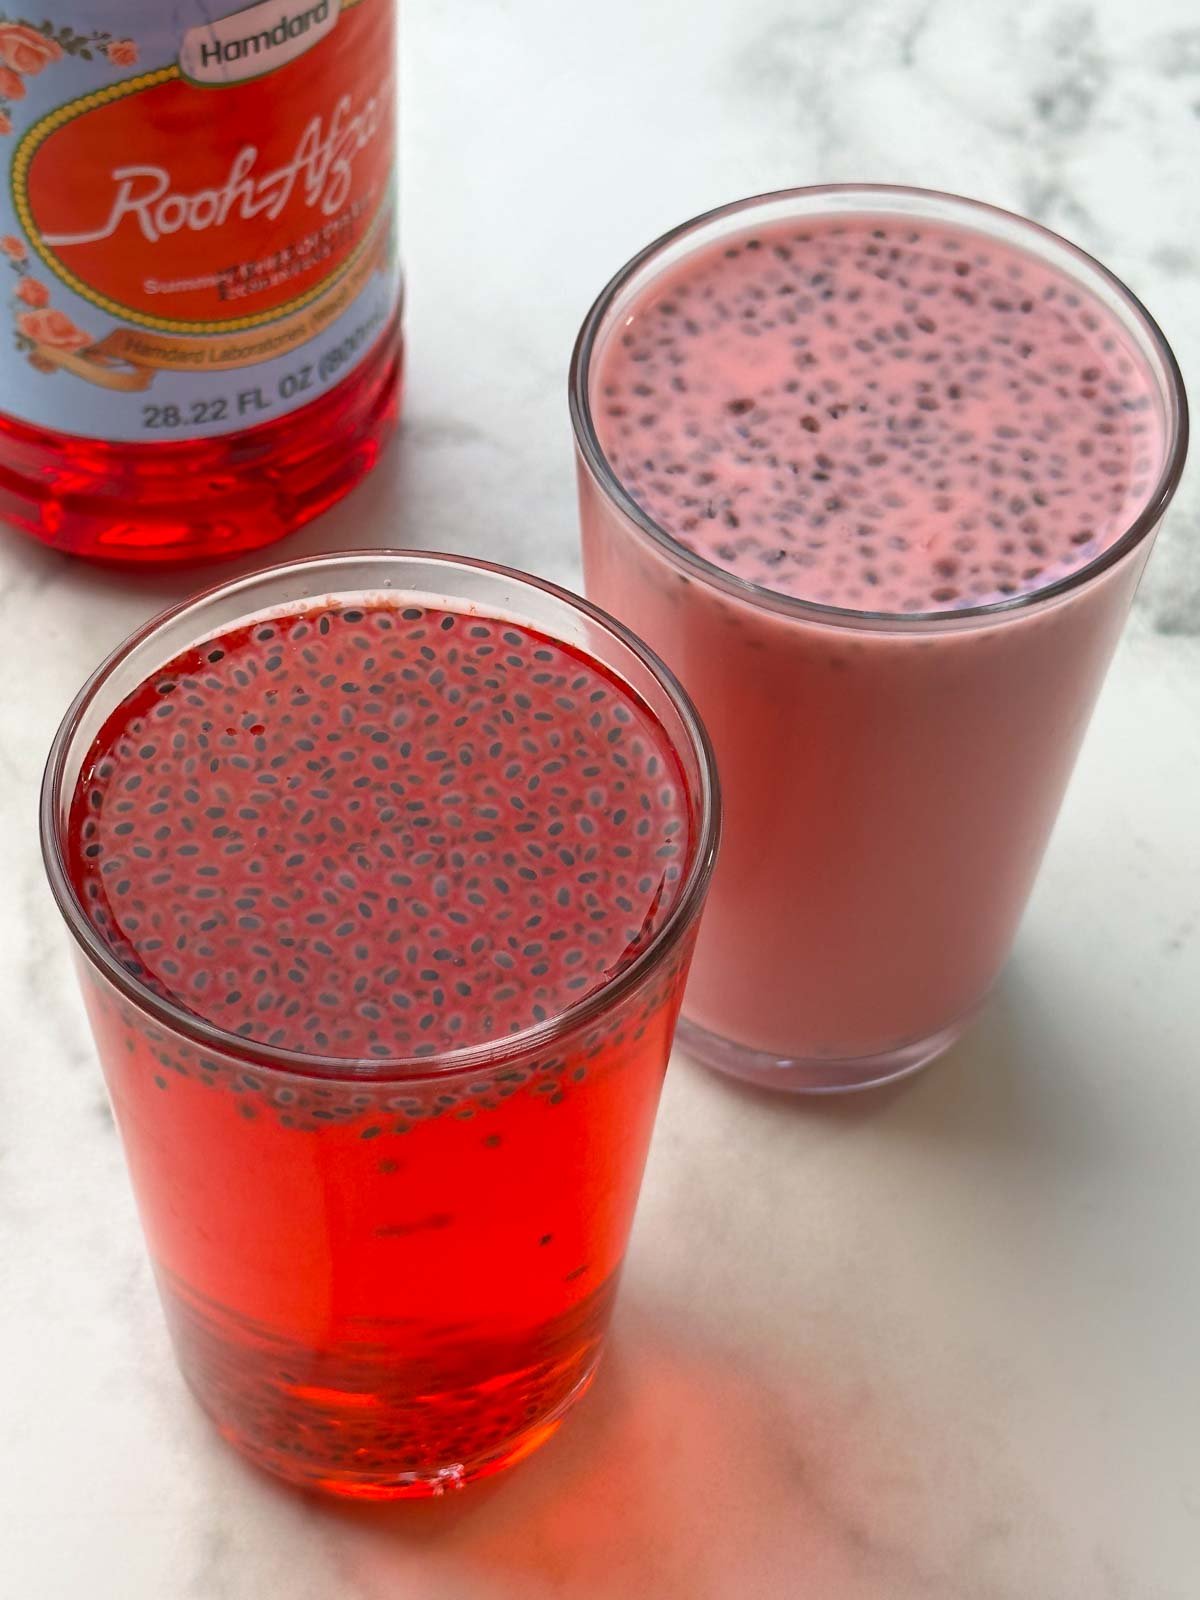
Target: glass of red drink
876, 471
384, 871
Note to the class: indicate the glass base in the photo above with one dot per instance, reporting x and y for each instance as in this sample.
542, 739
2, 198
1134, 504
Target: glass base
427, 1484
401, 1413
815, 1074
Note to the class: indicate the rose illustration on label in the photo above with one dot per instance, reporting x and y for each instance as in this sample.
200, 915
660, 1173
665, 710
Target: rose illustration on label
26, 49
47, 337
52, 329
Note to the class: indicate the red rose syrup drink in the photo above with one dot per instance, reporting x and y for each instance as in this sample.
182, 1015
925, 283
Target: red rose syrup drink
385, 871
877, 472
198, 236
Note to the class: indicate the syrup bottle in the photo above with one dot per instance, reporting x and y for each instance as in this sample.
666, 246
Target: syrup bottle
198, 238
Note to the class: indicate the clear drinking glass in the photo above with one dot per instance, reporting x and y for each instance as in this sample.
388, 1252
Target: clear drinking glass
386, 1277
890, 780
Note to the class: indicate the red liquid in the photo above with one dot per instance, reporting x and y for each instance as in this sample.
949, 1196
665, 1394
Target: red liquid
200, 499
369, 831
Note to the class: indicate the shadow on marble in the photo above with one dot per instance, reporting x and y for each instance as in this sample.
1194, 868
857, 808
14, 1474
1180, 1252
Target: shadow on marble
745, 1428
1016, 1081
684, 1473
992, 1044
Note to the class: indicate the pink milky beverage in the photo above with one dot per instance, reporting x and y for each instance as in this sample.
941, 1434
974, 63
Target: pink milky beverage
876, 471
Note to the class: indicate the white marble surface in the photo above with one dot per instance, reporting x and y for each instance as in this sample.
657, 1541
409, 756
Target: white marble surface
938, 1343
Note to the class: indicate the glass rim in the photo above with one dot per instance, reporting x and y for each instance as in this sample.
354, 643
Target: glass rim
489, 1053
589, 447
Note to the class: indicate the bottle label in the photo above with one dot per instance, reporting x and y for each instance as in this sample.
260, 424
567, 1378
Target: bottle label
198, 223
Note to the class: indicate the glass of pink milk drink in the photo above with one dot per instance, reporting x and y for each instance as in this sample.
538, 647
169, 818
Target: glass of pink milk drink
876, 471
